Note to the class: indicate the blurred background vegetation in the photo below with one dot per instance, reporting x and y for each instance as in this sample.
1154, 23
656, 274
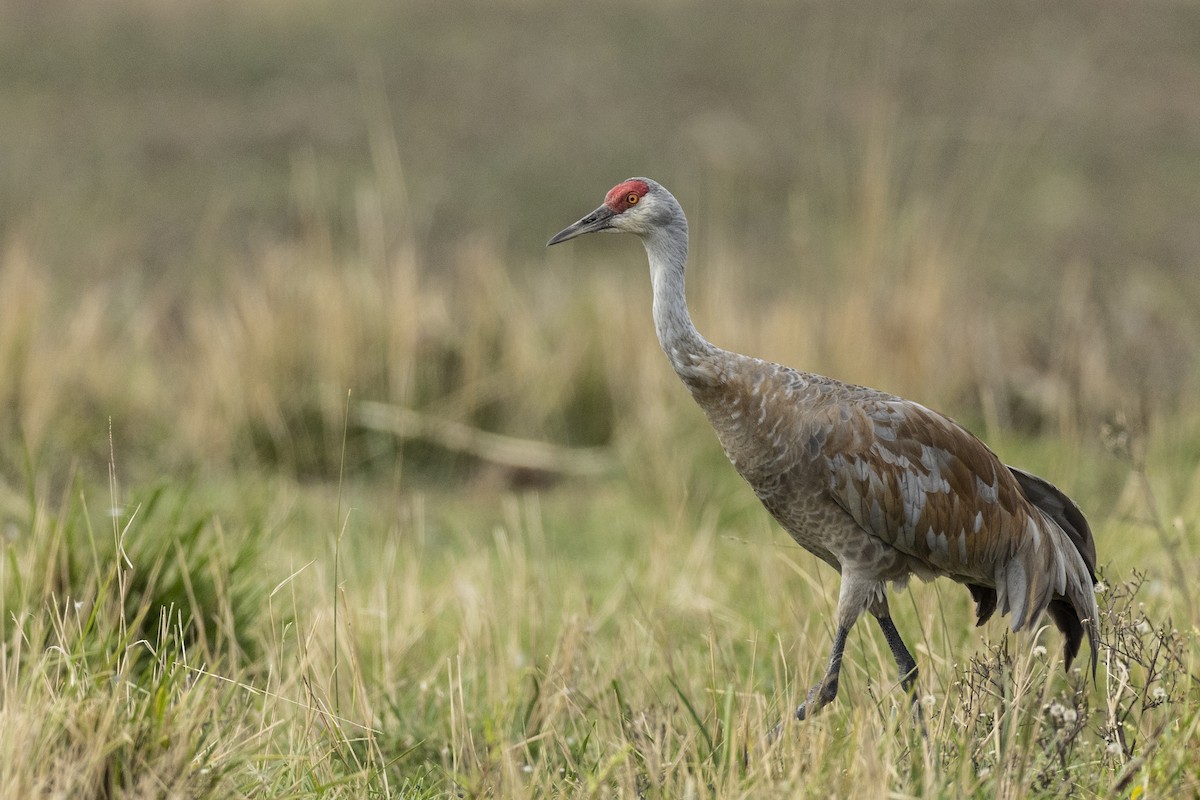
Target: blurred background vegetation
218, 218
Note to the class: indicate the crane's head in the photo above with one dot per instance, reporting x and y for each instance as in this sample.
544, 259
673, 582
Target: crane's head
638, 205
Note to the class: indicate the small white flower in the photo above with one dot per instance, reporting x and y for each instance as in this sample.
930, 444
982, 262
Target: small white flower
1114, 748
1039, 651
1100, 588
527, 768
929, 701
1069, 715
1158, 694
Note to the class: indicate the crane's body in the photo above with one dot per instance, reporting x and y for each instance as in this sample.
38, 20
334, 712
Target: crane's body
878, 487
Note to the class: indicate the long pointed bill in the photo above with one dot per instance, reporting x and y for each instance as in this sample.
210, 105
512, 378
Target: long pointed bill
598, 220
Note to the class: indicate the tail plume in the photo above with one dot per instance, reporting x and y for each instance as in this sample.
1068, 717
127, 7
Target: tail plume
1065, 584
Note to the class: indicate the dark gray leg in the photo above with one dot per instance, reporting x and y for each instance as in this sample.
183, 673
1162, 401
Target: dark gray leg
824, 692
904, 659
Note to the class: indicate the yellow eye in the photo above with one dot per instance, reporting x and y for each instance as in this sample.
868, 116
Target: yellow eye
631, 198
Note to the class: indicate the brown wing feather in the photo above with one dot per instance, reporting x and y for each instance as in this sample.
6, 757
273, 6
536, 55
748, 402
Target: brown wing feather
926, 486
932, 490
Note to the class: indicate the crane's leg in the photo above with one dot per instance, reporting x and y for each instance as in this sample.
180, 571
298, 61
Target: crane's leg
825, 691
904, 660
857, 592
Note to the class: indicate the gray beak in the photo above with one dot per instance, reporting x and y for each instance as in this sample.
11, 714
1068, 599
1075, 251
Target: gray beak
598, 220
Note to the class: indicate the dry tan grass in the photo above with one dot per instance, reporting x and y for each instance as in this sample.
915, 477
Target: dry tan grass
519, 663
567, 353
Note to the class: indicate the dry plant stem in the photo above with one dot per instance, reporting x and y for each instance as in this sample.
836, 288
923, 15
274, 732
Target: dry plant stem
1171, 545
337, 555
507, 451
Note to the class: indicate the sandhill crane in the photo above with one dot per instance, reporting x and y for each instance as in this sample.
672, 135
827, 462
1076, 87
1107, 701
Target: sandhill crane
878, 487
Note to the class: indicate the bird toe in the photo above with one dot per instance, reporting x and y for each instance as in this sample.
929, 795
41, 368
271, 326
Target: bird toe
819, 696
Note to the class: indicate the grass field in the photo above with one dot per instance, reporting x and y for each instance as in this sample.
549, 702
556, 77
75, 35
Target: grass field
321, 477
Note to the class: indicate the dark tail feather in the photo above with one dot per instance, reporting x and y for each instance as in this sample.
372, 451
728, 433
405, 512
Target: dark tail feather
1067, 620
985, 602
1062, 509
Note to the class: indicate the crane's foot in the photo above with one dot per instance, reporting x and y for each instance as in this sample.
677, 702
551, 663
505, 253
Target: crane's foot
819, 696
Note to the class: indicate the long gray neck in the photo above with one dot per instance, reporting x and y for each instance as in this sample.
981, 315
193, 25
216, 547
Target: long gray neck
667, 249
